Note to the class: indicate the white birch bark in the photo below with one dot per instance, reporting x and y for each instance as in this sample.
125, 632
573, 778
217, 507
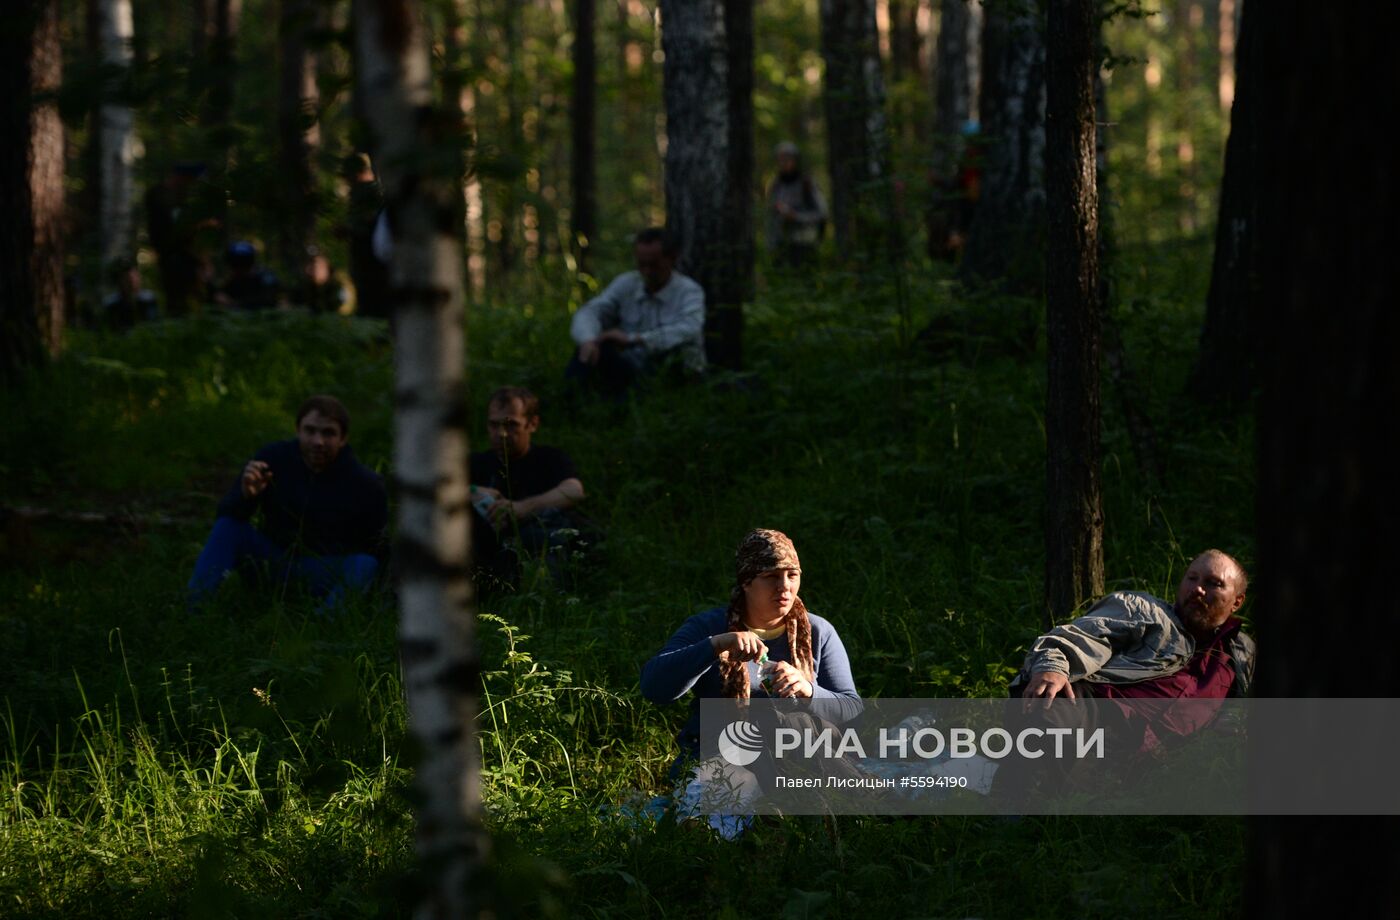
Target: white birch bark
117, 128
440, 668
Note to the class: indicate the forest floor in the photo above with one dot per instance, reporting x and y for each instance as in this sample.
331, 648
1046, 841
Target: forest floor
251, 762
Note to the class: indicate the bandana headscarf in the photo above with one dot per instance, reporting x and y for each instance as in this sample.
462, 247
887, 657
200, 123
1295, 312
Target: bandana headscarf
762, 551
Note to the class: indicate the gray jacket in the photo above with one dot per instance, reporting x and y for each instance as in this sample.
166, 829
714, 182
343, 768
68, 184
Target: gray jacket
1128, 637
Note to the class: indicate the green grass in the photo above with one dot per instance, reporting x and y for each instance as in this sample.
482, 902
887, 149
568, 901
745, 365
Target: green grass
251, 762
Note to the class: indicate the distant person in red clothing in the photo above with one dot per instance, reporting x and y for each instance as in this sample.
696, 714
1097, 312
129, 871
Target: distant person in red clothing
1133, 645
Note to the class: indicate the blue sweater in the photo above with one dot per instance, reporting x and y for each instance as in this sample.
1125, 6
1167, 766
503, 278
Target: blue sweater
688, 662
336, 512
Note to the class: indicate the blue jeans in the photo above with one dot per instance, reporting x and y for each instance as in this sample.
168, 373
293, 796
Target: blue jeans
233, 544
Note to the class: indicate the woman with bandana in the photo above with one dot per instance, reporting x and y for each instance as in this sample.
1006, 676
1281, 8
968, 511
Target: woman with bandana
717, 653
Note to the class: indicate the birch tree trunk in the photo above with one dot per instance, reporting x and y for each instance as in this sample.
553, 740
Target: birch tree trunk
1074, 500
857, 136
1328, 511
117, 135
423, 195
297, 132
1006, 241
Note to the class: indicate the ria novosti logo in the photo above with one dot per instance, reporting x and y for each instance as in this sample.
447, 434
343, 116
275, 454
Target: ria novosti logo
740, 743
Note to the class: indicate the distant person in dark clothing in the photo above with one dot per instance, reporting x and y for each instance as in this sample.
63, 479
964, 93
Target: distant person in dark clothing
131, 304
320, 290
796, 211
323, 513
249, 286
171, 228
955, 195
368, 273
523, 493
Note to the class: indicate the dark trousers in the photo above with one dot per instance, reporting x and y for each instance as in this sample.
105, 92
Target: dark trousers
618, 369
234, 544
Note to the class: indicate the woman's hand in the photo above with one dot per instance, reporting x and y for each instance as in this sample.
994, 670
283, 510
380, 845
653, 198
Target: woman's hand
738, 646
788, 681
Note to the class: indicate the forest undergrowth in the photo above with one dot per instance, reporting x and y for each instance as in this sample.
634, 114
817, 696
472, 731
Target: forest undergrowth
251, 761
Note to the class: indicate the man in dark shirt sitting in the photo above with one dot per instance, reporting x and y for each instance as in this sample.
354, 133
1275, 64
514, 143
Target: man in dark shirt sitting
323, 513
521, 491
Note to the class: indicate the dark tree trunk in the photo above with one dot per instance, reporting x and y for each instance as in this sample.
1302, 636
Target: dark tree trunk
583, 114
1074, 503
1225, 371
1006, 238
733, 277
904, 39
953, 78
857, 137
20, 343
298, 135
223, 64
201, 28
1328, 513
705, 119
441, 670
508, 246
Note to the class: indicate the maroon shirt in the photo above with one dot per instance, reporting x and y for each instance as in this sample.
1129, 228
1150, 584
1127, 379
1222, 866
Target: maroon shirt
1208, 675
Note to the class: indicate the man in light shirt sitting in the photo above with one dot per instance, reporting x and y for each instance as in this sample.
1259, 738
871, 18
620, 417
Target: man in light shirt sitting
643, 320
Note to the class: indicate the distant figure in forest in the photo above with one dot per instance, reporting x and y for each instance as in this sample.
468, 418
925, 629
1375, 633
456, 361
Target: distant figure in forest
796, 211
955, 192
248, 286
172, 224
368, 272
523, 493
321, 290
323, 513
131, 303
644, 321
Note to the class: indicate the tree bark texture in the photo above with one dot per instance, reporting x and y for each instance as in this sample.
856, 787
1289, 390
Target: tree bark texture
116, 132
733, 283
45, 172
583, 116
1074, 500
1328, 512
223, 64
20, 343
1006, 241
298, 135
904, 39
702, 187
1225, 368
857, 136
441, 670
952, 84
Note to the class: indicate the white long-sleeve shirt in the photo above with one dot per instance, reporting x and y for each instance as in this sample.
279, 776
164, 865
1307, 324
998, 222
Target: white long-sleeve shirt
672, 318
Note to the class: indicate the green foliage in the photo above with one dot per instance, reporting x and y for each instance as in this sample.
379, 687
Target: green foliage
250, 761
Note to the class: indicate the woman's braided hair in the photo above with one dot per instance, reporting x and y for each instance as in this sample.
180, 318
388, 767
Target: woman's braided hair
762, 551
